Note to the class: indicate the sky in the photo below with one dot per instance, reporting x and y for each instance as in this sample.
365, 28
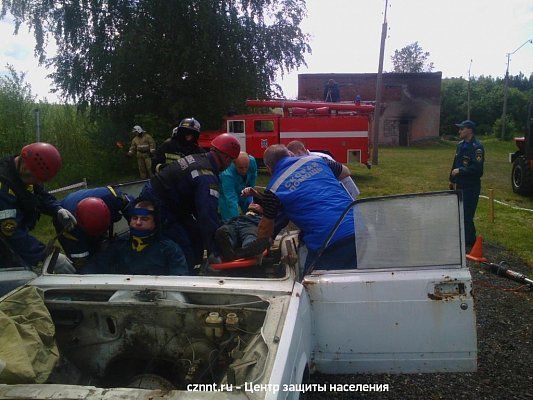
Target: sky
345, 38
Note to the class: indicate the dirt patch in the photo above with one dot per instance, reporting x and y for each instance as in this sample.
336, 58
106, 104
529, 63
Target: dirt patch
505, 348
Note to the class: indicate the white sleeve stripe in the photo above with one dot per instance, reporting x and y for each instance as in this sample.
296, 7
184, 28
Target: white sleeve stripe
214, 193
6, 214
195, 174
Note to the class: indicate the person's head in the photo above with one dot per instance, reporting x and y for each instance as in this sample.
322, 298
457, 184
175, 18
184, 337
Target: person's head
297, 148
143, 221
38, 163
225, 149
466, 129
187, 132
255, 208
331, 82
93, 216
242, 163
273, 154
138, 130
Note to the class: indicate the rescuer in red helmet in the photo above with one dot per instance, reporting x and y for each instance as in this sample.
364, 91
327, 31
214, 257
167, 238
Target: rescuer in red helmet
23, 199
183, 142
188, 192
95, 210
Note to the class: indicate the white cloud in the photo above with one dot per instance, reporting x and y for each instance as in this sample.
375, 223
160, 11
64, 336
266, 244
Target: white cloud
18, 50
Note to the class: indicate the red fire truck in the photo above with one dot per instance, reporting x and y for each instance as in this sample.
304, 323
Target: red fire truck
339, 129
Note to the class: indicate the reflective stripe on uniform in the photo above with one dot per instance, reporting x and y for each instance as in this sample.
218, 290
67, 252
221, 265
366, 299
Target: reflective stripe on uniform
196, 173
8, 214
112, 190
80, 255
290, 170
214, 193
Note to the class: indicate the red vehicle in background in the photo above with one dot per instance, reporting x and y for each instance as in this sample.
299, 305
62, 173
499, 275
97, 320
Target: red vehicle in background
338, 129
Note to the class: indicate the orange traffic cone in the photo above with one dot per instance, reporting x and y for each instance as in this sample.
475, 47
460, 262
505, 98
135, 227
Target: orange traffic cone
476, 253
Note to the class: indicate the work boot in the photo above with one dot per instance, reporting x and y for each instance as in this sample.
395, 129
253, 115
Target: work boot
223, 241
253, 249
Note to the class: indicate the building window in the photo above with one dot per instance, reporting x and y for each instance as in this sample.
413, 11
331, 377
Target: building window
264, 126
236, 126
391, 127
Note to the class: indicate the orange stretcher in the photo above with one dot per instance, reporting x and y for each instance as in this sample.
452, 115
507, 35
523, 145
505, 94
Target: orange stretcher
239, 263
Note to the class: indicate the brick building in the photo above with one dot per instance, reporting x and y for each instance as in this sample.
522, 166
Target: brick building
412, 101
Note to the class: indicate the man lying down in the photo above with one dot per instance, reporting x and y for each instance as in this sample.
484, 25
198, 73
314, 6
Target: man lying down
238, 237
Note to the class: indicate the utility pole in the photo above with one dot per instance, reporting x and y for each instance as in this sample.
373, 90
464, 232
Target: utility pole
37, 125
379, 80
468, 100
506, 86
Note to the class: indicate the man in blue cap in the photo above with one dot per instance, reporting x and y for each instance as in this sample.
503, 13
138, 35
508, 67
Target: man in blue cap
465, 175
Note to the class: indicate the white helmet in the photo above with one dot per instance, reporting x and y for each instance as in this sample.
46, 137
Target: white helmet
137, 129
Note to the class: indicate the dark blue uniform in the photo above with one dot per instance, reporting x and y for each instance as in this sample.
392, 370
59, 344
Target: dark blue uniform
76, 243
187, 193
20, 208
173, 149
469, 159
154, 255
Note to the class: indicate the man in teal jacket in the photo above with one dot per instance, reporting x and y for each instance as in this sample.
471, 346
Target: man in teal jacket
242, 173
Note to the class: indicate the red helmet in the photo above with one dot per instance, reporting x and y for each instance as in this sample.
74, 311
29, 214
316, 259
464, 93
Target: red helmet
93, 216
42, 160
227, 144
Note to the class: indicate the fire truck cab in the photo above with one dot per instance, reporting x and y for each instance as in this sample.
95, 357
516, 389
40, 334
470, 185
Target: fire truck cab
338, 129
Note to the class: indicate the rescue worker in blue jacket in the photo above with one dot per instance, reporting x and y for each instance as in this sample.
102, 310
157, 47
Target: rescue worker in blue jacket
145, 252
183, 142
95, 210
465, 174
242, 173
308, 191
187, 191
23, 199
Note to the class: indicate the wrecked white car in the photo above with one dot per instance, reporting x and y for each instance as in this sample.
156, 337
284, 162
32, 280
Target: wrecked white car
256, 332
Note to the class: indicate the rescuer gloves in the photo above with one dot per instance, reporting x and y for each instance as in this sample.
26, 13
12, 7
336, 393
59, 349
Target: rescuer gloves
66, 219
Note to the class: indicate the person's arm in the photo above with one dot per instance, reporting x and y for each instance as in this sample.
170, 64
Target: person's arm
151, 143
475, 168
14, 234
229, 199
133, 147
48, 204
271, 206
159, 157
339, 170
175, 259
206, 195
253, 172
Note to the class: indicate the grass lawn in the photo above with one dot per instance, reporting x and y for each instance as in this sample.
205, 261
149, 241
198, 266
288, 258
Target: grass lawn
425, 168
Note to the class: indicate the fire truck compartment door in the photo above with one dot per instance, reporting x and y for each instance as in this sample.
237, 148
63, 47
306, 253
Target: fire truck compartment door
238, 129
408, 307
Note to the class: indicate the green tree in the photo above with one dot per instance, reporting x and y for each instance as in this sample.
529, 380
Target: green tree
411, 58
171, 58
485, 104
16, 105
